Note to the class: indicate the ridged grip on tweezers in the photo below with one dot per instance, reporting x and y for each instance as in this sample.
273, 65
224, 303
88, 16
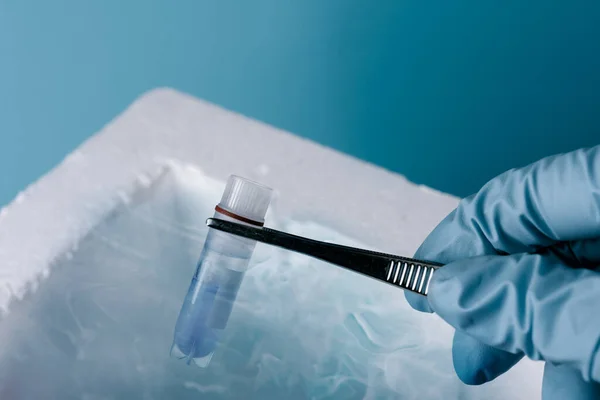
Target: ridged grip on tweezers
407, 273
412, 275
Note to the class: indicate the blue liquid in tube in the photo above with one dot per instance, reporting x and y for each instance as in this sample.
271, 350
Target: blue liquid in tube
219, 274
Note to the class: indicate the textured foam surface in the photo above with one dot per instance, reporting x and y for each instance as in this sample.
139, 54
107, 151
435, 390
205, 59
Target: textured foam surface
98, 254
101, 324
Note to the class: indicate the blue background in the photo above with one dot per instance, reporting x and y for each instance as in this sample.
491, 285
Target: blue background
449, 93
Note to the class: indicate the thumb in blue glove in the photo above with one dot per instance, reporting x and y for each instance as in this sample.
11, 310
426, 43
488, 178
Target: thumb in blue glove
551, 208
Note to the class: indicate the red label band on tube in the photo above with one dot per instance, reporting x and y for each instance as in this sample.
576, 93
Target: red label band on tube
238, 217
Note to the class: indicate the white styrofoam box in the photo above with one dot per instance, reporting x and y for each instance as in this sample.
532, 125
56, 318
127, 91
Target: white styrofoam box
197, 145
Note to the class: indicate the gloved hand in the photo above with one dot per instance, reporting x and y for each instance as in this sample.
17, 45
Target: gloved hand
520, 279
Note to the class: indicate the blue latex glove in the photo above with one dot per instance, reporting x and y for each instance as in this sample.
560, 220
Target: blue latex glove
520, 277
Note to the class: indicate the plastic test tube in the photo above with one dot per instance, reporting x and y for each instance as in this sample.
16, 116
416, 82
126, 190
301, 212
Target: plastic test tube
223, 262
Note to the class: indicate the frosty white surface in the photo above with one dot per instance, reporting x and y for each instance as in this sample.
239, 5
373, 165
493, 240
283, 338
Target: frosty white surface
101, 324
71, 245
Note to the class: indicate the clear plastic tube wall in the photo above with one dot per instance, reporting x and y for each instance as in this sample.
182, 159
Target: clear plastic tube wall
215, 284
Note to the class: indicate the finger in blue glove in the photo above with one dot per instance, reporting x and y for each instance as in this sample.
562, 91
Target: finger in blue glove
531, 304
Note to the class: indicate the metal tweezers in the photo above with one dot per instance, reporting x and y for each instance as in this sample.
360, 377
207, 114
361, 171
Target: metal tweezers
407, 273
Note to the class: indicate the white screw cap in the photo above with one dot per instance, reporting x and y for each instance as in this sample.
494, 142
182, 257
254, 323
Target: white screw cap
246, 198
